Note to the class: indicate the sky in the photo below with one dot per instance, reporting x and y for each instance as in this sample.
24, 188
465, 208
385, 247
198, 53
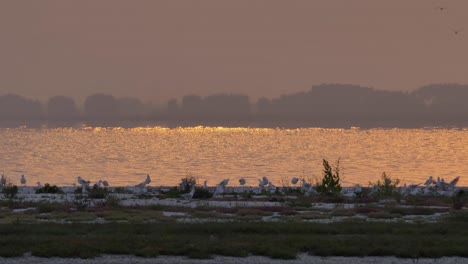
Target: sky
157, 49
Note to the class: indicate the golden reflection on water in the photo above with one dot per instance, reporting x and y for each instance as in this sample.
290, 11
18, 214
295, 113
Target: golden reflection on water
123, 156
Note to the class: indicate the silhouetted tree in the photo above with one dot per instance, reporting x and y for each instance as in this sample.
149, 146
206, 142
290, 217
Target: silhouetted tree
14, 107
444, 101
62, 108
101, 107
232, 106
131, 108
172, 107
192, 106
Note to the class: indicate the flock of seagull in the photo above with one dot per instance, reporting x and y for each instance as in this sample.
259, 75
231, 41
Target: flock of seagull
430, 187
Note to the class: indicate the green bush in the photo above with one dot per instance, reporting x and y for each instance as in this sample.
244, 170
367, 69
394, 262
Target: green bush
171, 193
459, 199
385, 188
10, 191
49, 189
201, 193
186, 183
330, 184
98, 193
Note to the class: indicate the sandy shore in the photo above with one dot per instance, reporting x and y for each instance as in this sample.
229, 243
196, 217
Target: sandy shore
303, 258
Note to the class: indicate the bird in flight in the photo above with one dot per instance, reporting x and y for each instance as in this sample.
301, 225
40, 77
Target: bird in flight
441, 8
456, 31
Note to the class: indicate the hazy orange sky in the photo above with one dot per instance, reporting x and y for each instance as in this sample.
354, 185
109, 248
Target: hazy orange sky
158, 49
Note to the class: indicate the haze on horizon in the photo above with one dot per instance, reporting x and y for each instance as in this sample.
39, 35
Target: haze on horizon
157, 50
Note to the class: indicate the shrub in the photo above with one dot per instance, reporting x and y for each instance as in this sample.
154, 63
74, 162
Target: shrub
459, 199
330, 184
171, 193
49, 189
98, 193
201, 193
385, 188
10, 191
187, 183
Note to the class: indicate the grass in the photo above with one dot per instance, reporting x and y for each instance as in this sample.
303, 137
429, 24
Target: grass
147, 232
276, 240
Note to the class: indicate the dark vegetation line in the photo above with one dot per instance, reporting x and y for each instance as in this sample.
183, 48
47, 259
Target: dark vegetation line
326, 104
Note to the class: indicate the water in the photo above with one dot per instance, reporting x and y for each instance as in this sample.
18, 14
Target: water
123, 156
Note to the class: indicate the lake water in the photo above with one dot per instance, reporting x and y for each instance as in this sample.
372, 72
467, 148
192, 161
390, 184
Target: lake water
123, 156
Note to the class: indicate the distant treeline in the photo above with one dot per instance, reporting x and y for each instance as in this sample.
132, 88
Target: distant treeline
326, 104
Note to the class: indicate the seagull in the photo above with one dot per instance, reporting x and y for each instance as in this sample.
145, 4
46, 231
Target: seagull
192, 182
220, 187
438, 183
98, 184
305, 185
456, 31
205, 186
105, 183
23, 180
224, 182
414, 189
357, 188
440, 8
219, 190
144, 183
148, 179
429, 181
310, 191
188, 196
241, 181
263, 182
403, 189
271, 187
3, 181
454, 181
82, 182
294, 180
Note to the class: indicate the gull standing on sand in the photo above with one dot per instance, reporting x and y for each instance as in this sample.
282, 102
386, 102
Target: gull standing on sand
189, 196
294, 180
271, 187
144, 183
305, 185
220, 187
82, 182
3, 181
242, 181
310, 191
23, 180
263, 182
357, 189
429, 181
98, 184
454, 181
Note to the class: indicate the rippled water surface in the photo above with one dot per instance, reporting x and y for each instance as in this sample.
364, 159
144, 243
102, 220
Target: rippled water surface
123, 156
